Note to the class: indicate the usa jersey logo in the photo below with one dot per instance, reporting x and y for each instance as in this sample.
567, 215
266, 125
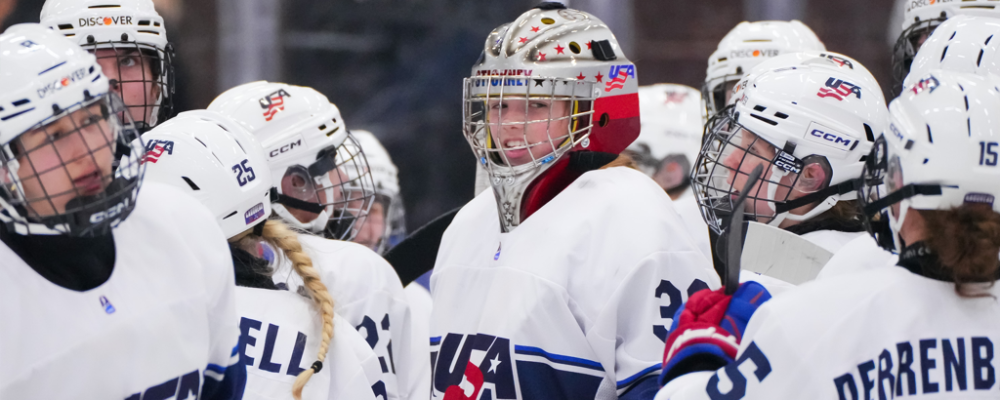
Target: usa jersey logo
477, 367
839, 89
254, 213
273, 103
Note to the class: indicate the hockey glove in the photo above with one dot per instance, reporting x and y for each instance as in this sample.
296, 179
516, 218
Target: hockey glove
707, 330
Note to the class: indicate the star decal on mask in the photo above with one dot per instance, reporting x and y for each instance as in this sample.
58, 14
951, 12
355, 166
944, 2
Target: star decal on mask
534, 29
581, 77
538, 82
559, 48
522, 40
541, 56
599, 77
588, 45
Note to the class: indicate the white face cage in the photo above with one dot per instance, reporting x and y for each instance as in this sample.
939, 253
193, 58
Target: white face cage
729, 153
518, 127
143, 75
76, 173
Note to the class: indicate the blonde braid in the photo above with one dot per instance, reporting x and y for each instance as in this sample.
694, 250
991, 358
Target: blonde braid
280, 236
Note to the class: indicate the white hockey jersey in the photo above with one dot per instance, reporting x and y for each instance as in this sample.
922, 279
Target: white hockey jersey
881, 334
690, 212
368, 294
419, 296
149, 331
574, 303
281, 333
860, 254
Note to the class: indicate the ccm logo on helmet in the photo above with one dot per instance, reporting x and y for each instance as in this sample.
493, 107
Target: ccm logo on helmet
111, 212
59, 84
832, 138
101, 21
285, 148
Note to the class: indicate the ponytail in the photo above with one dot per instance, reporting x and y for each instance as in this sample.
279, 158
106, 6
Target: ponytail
967, 242
280, 236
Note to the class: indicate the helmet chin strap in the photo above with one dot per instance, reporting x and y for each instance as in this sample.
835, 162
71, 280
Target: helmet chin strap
316, 225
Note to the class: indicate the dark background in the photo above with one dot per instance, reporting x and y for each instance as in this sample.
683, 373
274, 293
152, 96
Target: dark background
395, 67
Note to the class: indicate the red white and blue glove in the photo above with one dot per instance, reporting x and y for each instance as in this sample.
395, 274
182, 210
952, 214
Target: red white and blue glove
707, 330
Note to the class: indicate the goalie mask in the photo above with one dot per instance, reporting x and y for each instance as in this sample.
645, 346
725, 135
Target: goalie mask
808, 119
323, 181
62, 134
130, 42
939, 152
551, 83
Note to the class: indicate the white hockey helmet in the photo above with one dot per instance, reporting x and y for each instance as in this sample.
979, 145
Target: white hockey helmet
963, 43
61, 133
671, 132
129, 34
387, 194
216, 161
317, 168
747, 45
793, 112
939, 152
550, 83
920, 19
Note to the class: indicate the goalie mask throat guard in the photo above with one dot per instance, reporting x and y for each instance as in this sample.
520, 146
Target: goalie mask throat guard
551, 83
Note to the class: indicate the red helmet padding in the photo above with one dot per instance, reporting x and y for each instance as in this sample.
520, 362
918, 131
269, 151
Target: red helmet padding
621, 130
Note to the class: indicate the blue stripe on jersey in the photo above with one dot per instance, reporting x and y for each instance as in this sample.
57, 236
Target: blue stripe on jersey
236, 350
540, 381
628, 381
216, 368
435, 341
559, 359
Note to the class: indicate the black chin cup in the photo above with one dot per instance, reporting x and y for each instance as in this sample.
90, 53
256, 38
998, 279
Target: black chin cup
96, 215
340, 225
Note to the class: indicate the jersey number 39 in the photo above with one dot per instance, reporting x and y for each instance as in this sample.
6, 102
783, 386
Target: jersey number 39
244, 173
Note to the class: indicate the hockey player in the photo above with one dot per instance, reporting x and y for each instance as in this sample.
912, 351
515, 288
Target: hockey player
129, 39
109, 291
920, 19
809, 119
867, 335
321, 176
530, 298
745, 46
219, 163
667, 146
385, 222
384, 225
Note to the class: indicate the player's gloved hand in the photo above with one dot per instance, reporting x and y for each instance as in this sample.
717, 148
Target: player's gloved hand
707, 330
